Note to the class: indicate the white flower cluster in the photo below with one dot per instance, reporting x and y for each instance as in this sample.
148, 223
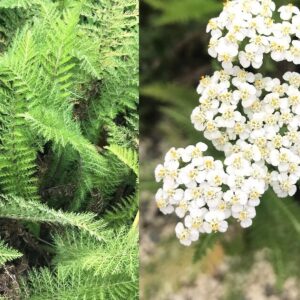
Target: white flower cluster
200, 192
254, 120
246, 30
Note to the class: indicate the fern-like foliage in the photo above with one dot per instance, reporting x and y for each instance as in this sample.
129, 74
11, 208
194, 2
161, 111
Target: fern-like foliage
123, 212
119, 70
118, 255
68, 140
13, 207
89, 268
57, 128
18, 3
126, 209
77, 286
128, 156
7, 253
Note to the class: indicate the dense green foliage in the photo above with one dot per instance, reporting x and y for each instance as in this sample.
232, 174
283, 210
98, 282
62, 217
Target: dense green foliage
68, 145
174, 57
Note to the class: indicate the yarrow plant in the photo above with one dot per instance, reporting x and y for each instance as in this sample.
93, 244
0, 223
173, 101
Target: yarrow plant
254, 120
246, 30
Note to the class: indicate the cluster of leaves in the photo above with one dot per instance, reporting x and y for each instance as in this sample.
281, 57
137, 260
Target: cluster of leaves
68, 144
173, 59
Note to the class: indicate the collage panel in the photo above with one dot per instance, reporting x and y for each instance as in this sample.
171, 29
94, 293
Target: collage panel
219, 153
69, 149
149, 149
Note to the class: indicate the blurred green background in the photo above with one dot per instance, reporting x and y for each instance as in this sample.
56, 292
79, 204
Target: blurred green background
262, 262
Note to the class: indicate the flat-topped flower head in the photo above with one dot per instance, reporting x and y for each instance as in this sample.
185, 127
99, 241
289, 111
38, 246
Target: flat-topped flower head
254, 120
248, 31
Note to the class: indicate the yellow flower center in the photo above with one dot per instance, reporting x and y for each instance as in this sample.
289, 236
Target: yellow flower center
209, 164
218, 180
237, 162
196, 153
197, 222
161, 203
227, 115
210, 126
184, 235
254, 195
243, 215
214, 226
277, 141
283, 157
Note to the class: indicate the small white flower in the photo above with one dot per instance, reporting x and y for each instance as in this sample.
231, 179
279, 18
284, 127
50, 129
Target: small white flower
214, 222
211, 131
224, 207
283, 184
162, 203
296, 24
235, 182
237, 197
280, 158
283, 30
293, 54
209, 165
212, 47
173, 155
279, 47
272, 102
244, 214
204, 82
287, 11
237, 164
193, 153
226, 52
241, 76
252, 58
195, 195
186, 236
229, 116
293, 78
167, 172
188, 175
195, 220
271, 126
212, 195
221, 142
249, 151
264, 26
259, 171
247, 93
240, 130
216, 177
254, 188
174, 195
213, 27
258, 43
198, 119
294, 169
182, 208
